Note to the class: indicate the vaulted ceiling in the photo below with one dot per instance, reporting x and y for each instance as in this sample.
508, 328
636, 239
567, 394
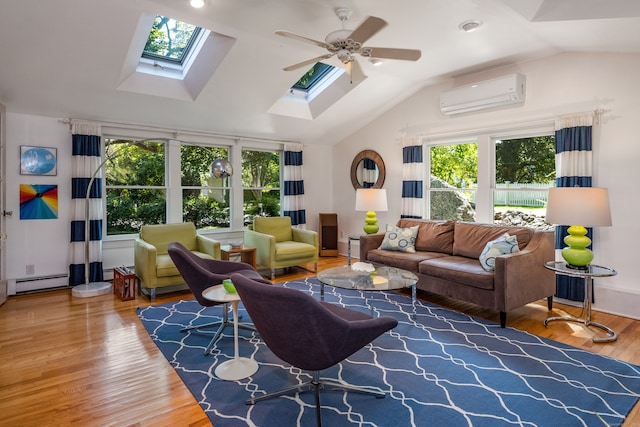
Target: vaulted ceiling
67, 58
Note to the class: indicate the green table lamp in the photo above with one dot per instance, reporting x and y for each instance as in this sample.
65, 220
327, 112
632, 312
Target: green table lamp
587, 206
371, 200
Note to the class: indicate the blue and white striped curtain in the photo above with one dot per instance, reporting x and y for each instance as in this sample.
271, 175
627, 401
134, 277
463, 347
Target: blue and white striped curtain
293, 200
412, 178
369, 172
86, 152
573, 169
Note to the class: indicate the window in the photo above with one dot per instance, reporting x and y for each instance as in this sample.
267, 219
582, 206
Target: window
170, 40
303, 100
453, 181
312, 77
156, 181
205, 199
260, 184
504, 180
135, 185
524, 171
171, 44
164, 58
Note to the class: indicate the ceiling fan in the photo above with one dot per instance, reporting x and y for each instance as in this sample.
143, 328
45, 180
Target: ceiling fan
345, 44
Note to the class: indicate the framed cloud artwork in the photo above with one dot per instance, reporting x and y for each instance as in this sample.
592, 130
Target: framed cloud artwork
38, 160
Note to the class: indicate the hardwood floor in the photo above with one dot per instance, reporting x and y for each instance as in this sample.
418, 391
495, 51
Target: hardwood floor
90, 362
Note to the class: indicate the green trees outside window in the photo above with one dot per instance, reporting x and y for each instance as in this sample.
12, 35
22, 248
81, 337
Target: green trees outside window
136, 187
454, 178
205, 199
260, 184
525, 170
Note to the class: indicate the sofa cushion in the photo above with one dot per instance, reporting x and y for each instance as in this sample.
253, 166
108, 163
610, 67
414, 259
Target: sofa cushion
457, 269
433, 236
470, 238
504, 244
404, 260
399, 239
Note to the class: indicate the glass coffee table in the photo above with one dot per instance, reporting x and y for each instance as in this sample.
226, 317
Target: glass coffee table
384, 278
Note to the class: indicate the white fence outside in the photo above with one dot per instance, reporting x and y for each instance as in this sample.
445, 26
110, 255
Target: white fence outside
514, 194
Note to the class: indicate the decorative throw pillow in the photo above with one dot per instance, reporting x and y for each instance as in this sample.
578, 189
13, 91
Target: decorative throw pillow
400, 239
504, 244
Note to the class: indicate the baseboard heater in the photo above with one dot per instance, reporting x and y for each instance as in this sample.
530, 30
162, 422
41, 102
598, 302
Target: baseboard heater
36, 284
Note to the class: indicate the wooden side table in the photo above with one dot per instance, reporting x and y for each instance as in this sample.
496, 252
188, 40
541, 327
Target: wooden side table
247, 254
124, 283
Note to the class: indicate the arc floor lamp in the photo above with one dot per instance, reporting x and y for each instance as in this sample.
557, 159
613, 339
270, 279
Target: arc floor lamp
91, 289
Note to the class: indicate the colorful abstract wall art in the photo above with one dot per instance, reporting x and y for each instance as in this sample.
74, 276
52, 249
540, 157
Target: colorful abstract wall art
38, 201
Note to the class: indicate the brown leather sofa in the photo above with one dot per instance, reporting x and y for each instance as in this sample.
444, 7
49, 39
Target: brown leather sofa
447, 263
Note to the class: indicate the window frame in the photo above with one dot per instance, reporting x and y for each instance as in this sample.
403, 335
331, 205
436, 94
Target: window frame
169, 67
227, 188
429, 190
164, 187
174, 140
280, 153
485, 138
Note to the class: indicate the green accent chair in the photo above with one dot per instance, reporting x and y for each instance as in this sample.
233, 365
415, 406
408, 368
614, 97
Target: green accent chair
279, 245
154, 266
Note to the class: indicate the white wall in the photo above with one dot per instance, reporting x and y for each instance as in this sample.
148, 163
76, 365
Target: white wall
41, 243
562, 84
45, 243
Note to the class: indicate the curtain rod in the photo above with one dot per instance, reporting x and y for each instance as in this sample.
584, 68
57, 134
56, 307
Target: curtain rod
175, 132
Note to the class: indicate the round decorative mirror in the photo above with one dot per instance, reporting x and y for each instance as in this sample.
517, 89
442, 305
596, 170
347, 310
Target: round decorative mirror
367, 170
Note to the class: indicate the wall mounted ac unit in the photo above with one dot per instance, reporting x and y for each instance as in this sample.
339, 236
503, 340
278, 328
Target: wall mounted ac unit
499, 92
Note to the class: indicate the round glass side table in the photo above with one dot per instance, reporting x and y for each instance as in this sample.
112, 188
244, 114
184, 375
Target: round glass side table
592, 270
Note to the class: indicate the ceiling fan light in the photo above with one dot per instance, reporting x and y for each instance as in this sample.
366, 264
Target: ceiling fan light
197, 4
470, 25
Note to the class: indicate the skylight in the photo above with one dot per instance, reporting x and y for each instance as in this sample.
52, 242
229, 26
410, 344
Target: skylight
312, 77
171, 58
170, 40
171, 47
318, 89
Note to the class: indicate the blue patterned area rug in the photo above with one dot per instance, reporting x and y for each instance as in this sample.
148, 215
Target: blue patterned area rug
442, 369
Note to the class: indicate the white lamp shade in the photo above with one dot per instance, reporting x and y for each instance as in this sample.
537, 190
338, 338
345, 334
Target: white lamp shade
371, 199
585, 206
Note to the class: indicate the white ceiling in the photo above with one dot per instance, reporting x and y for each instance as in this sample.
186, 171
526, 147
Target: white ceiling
65, 58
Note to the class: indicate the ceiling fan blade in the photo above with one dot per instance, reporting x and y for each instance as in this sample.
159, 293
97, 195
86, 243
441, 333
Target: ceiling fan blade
391, 53
304, 39
307, 62
367, 29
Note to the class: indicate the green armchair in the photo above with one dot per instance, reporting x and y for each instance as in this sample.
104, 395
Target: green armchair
154, 266
279, 245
